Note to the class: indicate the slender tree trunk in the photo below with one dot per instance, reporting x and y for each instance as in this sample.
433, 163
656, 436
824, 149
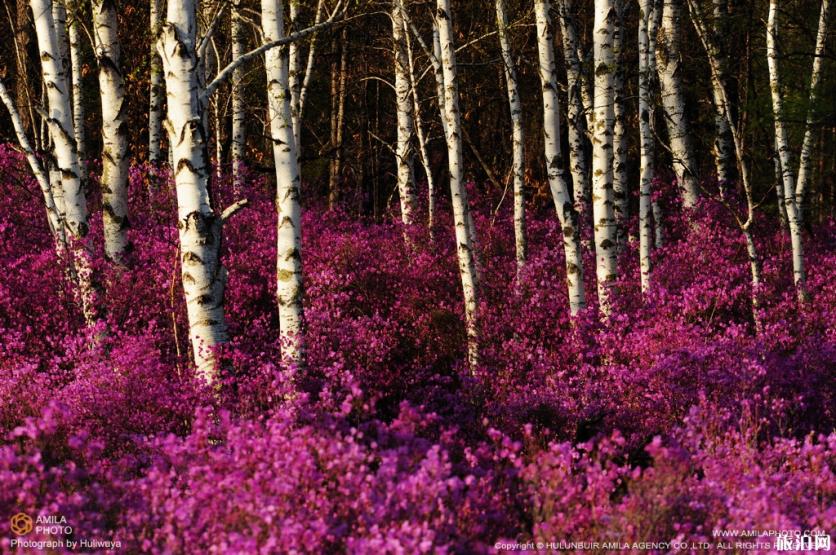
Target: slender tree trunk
73, 204
289, 289
669, 62
74, 24
465, 234
303, 90
203, 275
558, 182
419, 130
23, 87
621, 198
517, 134
654, 23
646, 8
404, 106
239, 122
723, 145
804, 163
602, 153
56, 226
155, 110
114, 181
782, 143
576, 124
745, 225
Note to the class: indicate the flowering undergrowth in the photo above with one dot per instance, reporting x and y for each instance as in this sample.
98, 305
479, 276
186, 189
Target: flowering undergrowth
668, 421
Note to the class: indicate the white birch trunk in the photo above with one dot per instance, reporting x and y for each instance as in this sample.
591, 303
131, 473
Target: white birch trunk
602, 153
517, 134
782, 143
289, 291
114, 180
669, 64
558, 182
155, 109
53, 217
576, 110
621, 198
804, 164
647, 146
75, 65
404, 108
465, 234
203, 275
654, 22
239, 124
73, 204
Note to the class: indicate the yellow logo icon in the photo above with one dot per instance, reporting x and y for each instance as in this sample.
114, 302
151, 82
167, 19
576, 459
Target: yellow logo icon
21, 524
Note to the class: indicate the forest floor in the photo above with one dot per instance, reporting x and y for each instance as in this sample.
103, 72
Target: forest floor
671, 424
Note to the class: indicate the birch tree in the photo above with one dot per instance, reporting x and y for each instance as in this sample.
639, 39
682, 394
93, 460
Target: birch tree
744, 223
517, 133
784, 154
576, 109
723, 144
239, 124
299, 84
155, 109
114, 180
646, 17
602, 153
73, 26
465, 233
669, 64
289, 290
404, 108
621, 199
554, 158
805, 159
73, 204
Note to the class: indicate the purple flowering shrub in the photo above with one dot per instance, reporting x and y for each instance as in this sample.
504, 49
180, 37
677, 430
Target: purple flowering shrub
668, 421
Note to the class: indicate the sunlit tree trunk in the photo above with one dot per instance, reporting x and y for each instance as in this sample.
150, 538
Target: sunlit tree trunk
73, 27
517, 134
339, 72
155, 110
203, 275
73, 205
670, 68
621, 199
784, 154
289, 289
602, 153
654, 22
575, 111
558, 182
804, 164
465, 239
647, 146
404, 108
114, 181
239, 122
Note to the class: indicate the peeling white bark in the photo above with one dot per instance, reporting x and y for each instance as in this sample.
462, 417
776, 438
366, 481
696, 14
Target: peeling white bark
404, 107
517, 134
784, 154
239, 125
74, 7
465, 233
558, 182
602, 153
114, 180
646, 8
669, 65
621, 199
289, 291
155, 110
